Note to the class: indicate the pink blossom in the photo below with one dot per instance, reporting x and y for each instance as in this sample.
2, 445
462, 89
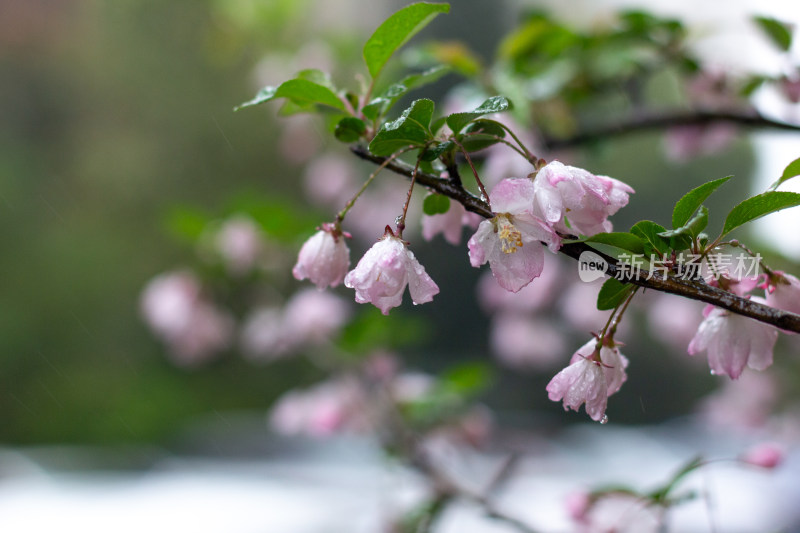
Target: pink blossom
765, 455
593, 375
783, 292
520, 341
672, 319
733, 342
313, 317
239, 242
263, 336
382, 274
512, 241
565, 194
746, 403
532, 297
581, 382
193, 328
324, 258
685, 142
449, 224
330, 180
330, 407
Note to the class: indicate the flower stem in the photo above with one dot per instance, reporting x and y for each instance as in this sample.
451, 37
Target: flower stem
341, 214
484, 194
401, 224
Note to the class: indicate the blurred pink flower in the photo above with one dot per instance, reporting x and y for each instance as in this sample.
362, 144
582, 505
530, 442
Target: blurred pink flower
313, 317
381, 276
578, 305
239, 242
571, 193
300, 138
685, 142
746, 403
621, 513
673, 319
449, 224
512, 241
521, 341
330, 180
324, 258
263, 336
766, 455
733, 342
329, 407
193, 329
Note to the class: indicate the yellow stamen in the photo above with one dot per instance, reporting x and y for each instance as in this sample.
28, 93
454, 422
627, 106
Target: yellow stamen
510, 237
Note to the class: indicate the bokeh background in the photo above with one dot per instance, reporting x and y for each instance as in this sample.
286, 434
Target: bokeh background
120, 154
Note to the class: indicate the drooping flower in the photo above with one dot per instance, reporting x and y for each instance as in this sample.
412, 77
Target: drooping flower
512, 241
583, 199
324, 258
733, 342
582, 382
783, 292
595, 373
381, 276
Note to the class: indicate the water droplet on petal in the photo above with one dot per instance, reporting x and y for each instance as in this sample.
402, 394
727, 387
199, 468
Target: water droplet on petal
604, 420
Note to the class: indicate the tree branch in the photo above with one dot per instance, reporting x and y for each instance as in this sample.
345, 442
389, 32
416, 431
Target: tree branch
651, 121
693, 289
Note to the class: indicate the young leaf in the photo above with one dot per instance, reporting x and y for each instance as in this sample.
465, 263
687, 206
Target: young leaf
435, 204
380, 105
612, 293
649, 231
478, 141
779, 32
758, 206
433, 153
410, 129
690, 201
396, 31
299, 91
622, 240
349, 129
495, 104
792, 170
697, 224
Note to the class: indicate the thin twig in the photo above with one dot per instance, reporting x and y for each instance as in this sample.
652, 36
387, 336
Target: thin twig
652, 121
693, 289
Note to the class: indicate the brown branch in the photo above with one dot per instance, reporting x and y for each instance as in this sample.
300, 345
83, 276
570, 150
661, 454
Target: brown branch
652, 121
693, 289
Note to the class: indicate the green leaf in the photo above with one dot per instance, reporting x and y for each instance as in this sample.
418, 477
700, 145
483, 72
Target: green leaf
435, 204
792, 170
758, 206
467, 379
478, 141
299, 91
489, 127
690, 201
383, 103
692, 228
396, 31
649, 231
350, 129
411, 129
625, 241
779, 32
495, 104
612, 293
434, 152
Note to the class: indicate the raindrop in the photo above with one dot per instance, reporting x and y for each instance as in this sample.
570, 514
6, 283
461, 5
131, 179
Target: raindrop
713, 373
398, 219
604, 420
